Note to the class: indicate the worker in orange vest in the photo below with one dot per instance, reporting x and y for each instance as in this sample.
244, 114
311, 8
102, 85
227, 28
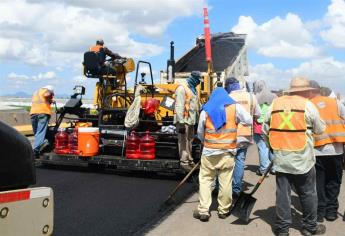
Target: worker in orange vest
329, 150
40, 114
244, 133
185, 117
217, 129
102, 53
290, 123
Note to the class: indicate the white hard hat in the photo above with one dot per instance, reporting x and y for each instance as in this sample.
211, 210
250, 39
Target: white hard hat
49, 87
332, 95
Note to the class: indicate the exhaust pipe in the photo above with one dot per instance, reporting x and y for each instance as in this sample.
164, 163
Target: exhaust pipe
171, 65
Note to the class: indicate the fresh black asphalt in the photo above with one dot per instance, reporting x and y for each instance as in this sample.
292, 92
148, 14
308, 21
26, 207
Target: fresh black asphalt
88, 203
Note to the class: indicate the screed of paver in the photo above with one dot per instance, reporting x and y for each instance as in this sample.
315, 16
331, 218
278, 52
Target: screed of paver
182, 223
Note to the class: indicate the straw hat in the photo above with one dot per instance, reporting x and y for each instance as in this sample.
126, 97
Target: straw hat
298, 84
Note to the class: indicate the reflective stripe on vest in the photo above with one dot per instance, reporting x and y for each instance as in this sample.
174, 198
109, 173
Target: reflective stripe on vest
39, 103
245, 99
329, 136
334, 122
288, 125
225, 137
216, 141
212, 131
335, 126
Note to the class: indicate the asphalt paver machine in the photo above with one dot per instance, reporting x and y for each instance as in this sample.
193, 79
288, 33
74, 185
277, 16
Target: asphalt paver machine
113, 99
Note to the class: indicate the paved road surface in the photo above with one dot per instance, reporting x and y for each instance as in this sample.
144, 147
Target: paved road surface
105, 204
181, 222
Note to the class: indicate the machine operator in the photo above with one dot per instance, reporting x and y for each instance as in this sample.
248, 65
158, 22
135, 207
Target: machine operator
103, 52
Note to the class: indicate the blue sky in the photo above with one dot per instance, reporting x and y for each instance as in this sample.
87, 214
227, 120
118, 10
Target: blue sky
45, 45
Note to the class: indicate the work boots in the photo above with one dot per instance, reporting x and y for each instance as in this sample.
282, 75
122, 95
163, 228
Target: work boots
320, 229
201, 217
186, 167
223, 216
331, 216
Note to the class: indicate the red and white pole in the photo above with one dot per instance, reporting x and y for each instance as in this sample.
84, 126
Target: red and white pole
207, 37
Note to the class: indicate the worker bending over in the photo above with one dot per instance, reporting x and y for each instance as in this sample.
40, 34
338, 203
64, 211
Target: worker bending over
185, 118
217, 129
40, 114
103, 52
290, 123
329, 150
244, 133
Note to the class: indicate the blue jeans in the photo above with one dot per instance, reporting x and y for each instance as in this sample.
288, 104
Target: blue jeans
239, 171
264, 157
39, 126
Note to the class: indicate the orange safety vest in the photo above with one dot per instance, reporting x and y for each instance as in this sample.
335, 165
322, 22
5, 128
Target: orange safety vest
188, 97
39, 104
96, 48
288, 125
246, 100
225, 137
335, 125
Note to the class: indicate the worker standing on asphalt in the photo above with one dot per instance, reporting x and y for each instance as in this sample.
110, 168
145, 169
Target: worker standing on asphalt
264, 97
217, 129
329, 150
185, 118
244, 133
103, 52
40, 114
290, 123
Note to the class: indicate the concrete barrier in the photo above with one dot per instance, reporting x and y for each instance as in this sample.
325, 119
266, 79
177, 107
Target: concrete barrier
15, 117
21, 121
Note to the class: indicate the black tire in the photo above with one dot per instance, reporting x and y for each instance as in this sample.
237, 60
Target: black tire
17, 163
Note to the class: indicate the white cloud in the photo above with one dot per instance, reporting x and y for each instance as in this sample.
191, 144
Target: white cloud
57, 32
146, 17
13, 76
327, 71
285, 38
335, 19
47, 76
274, 77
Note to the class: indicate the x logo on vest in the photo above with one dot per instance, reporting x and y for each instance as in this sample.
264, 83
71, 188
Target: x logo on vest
286, 120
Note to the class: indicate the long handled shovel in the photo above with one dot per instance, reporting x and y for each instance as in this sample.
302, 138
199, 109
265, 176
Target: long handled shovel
170, 199
245, 202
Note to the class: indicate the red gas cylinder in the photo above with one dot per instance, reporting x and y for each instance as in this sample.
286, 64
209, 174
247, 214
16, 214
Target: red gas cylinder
147, 147
132, 146
73, 142
61, 142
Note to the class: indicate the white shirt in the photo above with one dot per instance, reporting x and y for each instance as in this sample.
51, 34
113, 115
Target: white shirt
242, 116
